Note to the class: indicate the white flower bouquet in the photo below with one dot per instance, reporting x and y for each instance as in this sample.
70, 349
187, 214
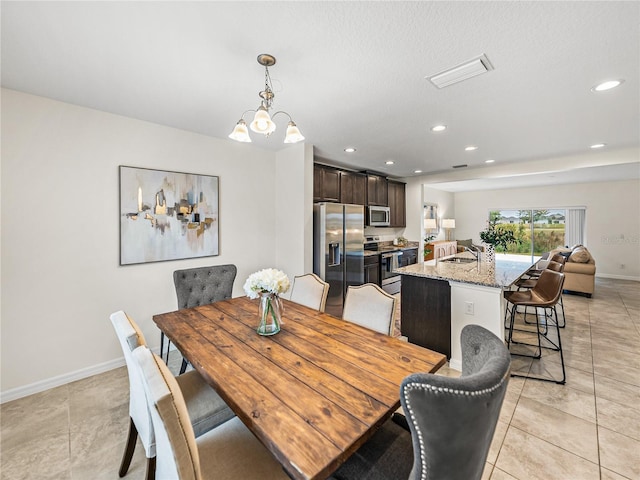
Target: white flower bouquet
268, 280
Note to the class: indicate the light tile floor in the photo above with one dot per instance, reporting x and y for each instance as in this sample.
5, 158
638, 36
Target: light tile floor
586, 429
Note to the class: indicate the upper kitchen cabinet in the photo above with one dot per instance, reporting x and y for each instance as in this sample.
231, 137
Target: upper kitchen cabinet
377, 190
397, 204
353, 188
326, 184
331, 184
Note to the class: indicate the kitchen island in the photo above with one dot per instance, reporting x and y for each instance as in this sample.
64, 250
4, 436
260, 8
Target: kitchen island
439, 299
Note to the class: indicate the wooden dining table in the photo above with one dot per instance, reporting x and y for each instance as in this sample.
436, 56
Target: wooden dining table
314, 392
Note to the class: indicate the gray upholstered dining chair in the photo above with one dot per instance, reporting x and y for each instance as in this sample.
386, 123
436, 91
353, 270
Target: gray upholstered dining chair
370, 306
451, 421
229, 451
206, 409
310, 290
201, 286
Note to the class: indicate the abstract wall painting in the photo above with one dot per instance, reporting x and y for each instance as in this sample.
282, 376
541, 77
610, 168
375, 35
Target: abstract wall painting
167, 215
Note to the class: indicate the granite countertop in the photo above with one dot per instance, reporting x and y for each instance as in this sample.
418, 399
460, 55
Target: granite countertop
503, 275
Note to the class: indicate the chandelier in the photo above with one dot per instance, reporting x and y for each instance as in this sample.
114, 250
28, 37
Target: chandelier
262, 120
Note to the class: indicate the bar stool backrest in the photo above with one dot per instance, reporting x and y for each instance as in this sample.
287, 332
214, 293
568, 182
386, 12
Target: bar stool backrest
559, 258
549, 286
556, 266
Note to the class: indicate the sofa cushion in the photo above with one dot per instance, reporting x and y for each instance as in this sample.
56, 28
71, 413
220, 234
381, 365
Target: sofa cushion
465, 243
580, 255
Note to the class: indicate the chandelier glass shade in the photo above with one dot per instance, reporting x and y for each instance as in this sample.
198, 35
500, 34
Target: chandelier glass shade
240, 132
262, 120
293, 134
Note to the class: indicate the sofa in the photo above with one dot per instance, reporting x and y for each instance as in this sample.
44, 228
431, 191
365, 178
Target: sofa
579, 269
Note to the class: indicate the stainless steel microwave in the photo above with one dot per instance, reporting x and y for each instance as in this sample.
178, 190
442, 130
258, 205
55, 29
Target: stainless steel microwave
378, 216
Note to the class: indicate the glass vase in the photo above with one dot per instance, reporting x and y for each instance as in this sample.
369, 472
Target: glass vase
270, 314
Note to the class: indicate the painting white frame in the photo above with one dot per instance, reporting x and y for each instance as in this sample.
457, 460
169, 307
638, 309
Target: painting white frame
166, 215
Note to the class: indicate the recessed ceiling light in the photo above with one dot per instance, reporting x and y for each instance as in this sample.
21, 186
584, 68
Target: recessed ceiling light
439, 128
417, 171
489, 161
608, 85
470, 148
389, 162
598, 145
349, 149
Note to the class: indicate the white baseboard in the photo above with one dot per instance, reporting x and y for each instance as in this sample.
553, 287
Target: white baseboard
617, 277
455, 364
41, 386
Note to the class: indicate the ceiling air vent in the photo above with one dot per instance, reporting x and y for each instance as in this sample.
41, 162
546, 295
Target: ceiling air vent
476, 66
460, 166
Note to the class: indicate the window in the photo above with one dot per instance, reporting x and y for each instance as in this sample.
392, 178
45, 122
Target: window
541, 230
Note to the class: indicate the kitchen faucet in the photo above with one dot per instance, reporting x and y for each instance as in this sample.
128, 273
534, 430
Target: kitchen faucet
476, 253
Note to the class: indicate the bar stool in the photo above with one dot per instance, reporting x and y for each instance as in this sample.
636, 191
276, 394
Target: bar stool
544, 297
527, 283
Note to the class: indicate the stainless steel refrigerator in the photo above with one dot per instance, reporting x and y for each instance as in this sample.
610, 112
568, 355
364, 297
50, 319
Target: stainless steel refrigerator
338, 249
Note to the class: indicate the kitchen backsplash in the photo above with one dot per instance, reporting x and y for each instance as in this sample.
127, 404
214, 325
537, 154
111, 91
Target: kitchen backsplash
386, 234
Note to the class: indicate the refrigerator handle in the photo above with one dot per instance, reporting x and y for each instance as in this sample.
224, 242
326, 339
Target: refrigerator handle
334, 254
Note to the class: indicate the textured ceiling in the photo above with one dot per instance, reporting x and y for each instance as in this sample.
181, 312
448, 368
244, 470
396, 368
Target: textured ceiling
349, 73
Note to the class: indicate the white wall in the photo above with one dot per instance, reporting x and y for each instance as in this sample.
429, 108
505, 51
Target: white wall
417, 194
294, 200
60, 237
413, 195
612, 220
446, 208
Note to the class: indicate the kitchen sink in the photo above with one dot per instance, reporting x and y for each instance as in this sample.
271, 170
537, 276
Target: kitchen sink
459, 260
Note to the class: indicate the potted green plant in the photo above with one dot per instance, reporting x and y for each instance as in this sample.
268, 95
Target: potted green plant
427, 250
496, 236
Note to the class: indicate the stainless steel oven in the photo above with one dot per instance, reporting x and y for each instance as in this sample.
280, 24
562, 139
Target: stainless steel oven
390, 281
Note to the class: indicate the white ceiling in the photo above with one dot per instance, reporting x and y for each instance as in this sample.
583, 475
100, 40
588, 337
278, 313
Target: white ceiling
350, 74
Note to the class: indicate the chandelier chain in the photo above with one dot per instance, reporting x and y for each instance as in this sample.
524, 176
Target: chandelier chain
267, 94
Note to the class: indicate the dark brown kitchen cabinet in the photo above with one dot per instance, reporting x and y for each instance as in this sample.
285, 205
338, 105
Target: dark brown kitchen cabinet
397, 204
353, 188
326, 184
372, 269
377, 190
426, 313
